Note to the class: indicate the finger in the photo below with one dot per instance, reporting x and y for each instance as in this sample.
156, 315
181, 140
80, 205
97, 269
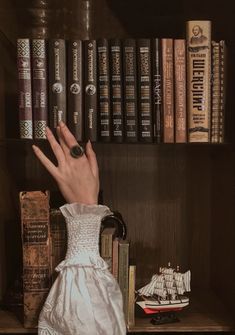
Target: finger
51, 168
69, 139
56, 148
91, 156
63, 145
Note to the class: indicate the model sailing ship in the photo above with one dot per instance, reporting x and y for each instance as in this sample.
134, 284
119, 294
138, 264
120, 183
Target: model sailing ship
165, 292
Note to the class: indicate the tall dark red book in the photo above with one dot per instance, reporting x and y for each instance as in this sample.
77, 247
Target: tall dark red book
90, 84
57, 82
104, 91
145, 90
40, 92
24, 88
130, 90
75, 112
116, 90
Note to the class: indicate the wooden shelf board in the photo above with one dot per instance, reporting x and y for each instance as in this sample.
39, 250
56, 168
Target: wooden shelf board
10, 324
204, 314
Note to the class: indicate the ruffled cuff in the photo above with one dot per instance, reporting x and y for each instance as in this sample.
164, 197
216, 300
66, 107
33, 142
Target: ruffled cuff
75, 209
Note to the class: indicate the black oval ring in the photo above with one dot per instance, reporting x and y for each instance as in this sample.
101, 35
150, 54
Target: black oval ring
76, 151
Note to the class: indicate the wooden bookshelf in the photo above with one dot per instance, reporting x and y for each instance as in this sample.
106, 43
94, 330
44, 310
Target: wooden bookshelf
10, 324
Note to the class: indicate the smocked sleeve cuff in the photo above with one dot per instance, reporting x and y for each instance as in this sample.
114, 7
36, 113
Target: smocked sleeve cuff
75, 209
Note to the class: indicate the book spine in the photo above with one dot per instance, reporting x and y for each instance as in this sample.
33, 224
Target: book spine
198, 80
123, 273
107, 237
24, 88
168, 90
104, 91
157, 91
115, 258
40, 93
34, 208
58, 240
57, 82
130, 91
180, 90
90, 80
215, 96
116, 91
131, 295
75, 80
223, 75
145, 90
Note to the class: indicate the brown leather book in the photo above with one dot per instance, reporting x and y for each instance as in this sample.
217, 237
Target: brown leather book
180, 90
75, 97
34, 208
168, 90
40, 89
215, 92
24, 88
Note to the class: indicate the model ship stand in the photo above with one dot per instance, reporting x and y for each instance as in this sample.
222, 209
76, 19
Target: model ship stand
164, 295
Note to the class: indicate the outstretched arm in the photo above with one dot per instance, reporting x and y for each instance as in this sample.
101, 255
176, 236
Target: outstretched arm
77, 178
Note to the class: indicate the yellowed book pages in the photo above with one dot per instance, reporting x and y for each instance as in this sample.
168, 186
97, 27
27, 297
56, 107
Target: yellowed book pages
198, 80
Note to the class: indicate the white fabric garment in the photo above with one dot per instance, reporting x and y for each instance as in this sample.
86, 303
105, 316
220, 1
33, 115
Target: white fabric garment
85, 299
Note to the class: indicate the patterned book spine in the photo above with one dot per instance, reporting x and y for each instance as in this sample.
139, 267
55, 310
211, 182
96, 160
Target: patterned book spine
130, 90
24, 88
168, 90
36, 253
90, 80
57, 82
180, 90
157, 91
145, 90
131, 295
223, 78
198, 80
215, 96
104, 91
116, 91
75, 80
123, 273
58, 239
40, 93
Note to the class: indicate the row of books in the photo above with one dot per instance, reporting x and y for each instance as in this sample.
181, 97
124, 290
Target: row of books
44, 243
129, 90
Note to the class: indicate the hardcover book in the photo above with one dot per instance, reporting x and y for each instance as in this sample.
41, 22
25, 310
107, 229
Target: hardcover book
215, 93
34, 208
145, 90
168, 90
40, 89
24, 88
90, 83
223, 88
75, 89
131, 295
106, 245
116, 73
104, 90
198, 80
180, 90
123, 273
130, 90
57, 82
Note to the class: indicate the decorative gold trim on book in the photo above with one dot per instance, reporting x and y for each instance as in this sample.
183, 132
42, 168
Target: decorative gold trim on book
26, 129
40, 129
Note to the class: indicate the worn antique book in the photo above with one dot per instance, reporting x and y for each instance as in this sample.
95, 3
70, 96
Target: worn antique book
223, 88
34, 209
145, 90
75, 113
199, 80
131, 295
180, 90
24, 88
123, 272
168, 90
116, 73
115, 257
58, 239
130, 90
40, 87
157, 90
104, 118
106, 245
215, 92
57, 82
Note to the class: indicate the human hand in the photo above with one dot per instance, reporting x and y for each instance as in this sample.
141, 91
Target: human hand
77, 178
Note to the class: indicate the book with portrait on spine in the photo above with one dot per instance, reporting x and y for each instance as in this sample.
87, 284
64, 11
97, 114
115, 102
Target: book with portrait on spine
24, 88
40, 87
198, 37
